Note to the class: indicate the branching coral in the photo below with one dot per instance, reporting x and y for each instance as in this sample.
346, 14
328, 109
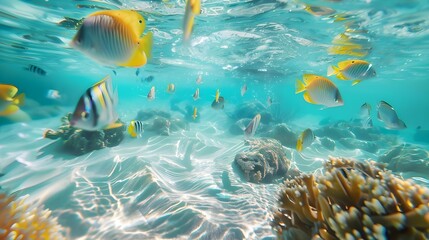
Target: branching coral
20, 220
352, 200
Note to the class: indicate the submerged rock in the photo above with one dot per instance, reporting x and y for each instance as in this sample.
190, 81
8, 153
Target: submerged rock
250, 109
161, 122
264, 161
78, 141
406, 157
327, 143
284, 135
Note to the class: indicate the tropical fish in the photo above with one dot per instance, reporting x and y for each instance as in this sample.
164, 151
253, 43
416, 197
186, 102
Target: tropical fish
151, 94
253, 126
135, 129
70, 23
305, 139
388, 115
269, 101
352, 50
9, 102
243, 89
96, 107
194, 115
217, 95
147, 79
53, 94
196, 95
112, 37
365, 115
199, 79
36, 69
171, 88
193, 8
114, 72
137, 72
319, 11
356, 70
319, 90
219, 104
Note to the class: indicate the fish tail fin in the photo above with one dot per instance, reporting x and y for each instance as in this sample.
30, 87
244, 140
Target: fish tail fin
300, 86
19, 100
146, 43
131, 131
332, 70
355, 82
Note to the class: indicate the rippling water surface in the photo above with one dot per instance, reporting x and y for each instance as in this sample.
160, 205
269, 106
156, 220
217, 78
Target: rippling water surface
173, 186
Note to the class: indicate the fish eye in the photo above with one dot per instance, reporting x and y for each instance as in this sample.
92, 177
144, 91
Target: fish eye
140, 21
353, 61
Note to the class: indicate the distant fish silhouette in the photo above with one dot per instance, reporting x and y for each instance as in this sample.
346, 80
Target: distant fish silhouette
147, 79
36, 69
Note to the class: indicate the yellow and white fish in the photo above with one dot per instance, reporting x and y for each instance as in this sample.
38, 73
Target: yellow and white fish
196, 95
387, 114
253, 126
217, 96
113, 38
356, 70
171, 88
96, 107
9, 102
193, 8
243, 89
194, 115
319, 90
135, 129
305, 139
151, 94
352, 50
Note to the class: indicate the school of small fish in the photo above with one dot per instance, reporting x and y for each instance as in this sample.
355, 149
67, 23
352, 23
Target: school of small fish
115, 38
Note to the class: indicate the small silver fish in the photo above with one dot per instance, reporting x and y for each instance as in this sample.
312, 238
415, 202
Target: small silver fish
388, 115
171, 88
243, 89
53, 94
269, 101
96, 107
196, 95
253, 126
199, 79
305, 139
151, 94
365, 115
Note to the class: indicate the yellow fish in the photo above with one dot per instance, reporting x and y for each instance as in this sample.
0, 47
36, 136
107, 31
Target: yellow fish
356, 70
305, 139
193, 8
194, 116
135, 128
8, 101
171, 88
352, 50
319, 90
319, 11
217, 96
113, 38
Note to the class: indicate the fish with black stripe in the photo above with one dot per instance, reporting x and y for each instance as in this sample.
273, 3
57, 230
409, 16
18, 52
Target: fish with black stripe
35, 69
96, 107
135, 129
113, 38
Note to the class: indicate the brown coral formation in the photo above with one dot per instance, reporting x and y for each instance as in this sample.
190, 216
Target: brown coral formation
352, 200
20, 220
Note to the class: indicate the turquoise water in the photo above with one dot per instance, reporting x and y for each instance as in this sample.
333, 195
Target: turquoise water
171, 186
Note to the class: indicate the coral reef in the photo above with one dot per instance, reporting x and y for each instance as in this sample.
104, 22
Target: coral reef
406, 157
264, 161
250, 109
24, 221
352, 200
78, 141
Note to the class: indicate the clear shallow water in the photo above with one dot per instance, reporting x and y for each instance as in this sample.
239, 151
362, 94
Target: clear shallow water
171, 186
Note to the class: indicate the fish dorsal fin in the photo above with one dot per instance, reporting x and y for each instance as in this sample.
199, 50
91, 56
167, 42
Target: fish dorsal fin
7, 92
195, 6
308, 78
385, 103
130, 18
